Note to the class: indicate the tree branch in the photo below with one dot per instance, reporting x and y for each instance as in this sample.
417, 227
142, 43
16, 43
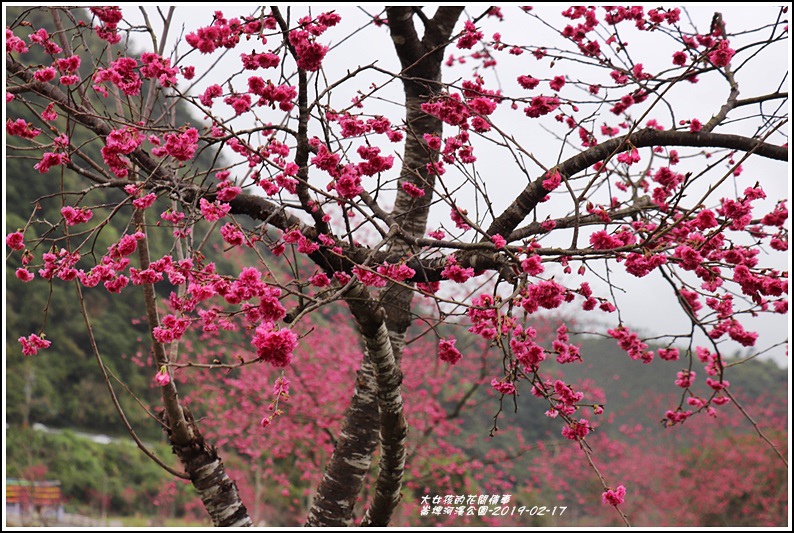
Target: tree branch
529, 198
403, 34
761, 99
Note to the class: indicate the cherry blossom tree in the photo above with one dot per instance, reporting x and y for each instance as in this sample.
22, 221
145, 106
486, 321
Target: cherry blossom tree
491, 174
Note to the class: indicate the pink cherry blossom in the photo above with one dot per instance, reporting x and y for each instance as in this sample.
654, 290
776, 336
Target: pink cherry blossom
614, 497
162, 378
722, 54
15, 241
274, 346
32, 344
455, 272
74, 216
24, 275
447, 351
552, 181
503, 387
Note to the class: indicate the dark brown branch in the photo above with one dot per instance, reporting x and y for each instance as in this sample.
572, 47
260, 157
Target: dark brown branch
443, 22
181, 430
207, 473
535, 228
303, 149
403, 34
730, 103
760, 99
526, 201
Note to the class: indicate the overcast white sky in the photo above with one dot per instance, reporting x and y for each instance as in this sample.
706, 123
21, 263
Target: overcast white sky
647, 303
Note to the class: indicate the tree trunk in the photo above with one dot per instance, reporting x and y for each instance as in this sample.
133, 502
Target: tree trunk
199, 459
337, 493
217, 491
421, 62
371, 320
383, 328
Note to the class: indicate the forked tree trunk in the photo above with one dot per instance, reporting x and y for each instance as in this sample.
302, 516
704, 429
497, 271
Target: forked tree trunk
383, 327
421, 61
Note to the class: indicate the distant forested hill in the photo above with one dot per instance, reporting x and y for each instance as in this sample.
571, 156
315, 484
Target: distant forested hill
62, 387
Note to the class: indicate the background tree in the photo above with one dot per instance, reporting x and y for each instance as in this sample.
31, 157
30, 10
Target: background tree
332, 200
